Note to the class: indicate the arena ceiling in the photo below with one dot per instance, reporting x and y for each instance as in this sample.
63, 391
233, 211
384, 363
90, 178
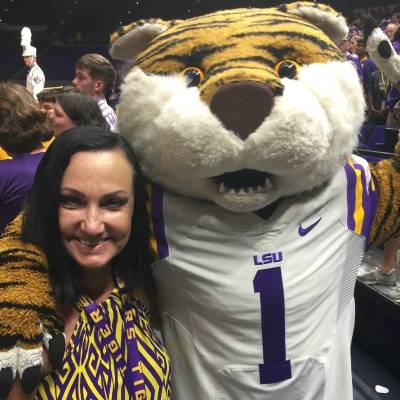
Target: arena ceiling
104, 16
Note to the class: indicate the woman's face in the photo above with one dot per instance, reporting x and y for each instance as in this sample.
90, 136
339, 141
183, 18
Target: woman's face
61, 121
96, 207
48, 108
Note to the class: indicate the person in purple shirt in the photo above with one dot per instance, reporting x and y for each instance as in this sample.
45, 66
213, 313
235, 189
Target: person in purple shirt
396, 40
345, 47
22, 128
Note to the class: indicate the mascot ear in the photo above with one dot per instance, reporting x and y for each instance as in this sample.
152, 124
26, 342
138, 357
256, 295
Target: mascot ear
132, 39
321, 15
381, 51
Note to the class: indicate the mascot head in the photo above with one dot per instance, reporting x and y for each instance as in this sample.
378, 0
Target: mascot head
241, 107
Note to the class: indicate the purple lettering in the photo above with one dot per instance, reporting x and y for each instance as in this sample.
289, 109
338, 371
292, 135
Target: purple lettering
277, 256
256, 261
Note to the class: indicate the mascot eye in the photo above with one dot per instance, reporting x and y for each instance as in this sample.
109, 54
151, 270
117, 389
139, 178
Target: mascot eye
194, 75
287, 69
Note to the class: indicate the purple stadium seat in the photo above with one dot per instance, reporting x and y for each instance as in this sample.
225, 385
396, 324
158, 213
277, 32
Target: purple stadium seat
364, 134
377, 138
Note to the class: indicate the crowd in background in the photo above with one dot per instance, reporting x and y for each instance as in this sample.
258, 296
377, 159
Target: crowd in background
96, 78
25, 131
382, 99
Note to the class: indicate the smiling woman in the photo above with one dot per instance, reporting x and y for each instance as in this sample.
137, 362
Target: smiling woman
86, 211
96, 207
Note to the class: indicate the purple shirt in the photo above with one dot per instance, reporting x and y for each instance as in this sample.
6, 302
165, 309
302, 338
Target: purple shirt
353, 58
16, 179
396, 46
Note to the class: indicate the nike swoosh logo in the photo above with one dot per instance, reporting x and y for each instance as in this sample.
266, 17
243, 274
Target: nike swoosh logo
304, 231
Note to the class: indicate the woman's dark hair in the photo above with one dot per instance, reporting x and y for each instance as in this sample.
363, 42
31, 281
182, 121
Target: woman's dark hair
40, 215
81, 109
23, 124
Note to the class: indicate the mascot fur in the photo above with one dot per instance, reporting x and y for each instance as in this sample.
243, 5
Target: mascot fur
244, 121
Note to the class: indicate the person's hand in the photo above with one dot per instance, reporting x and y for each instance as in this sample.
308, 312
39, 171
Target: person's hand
28, 317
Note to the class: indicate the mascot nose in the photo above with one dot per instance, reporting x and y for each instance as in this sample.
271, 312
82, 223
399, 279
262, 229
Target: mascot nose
242, 106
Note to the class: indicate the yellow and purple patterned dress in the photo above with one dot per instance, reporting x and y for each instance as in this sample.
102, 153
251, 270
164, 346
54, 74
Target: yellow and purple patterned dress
90, 369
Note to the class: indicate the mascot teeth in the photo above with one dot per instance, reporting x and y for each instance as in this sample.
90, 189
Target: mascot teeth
268, 184
246, 190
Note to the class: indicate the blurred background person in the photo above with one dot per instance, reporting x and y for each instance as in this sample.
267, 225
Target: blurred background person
96, 76
73, 109
47, 98
23, 126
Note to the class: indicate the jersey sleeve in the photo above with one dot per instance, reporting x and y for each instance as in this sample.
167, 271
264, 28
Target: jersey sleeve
362, 196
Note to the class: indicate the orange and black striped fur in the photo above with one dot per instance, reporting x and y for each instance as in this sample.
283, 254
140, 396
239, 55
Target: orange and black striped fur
25, 292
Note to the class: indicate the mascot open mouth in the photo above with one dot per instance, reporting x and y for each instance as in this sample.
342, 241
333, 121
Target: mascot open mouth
245, 181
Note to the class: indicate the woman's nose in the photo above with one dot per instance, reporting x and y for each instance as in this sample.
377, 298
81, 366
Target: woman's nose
92, 224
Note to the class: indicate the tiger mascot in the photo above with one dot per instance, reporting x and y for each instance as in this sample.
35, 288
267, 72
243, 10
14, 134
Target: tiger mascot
244, 121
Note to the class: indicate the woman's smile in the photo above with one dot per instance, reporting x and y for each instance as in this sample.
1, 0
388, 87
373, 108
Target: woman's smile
96, 207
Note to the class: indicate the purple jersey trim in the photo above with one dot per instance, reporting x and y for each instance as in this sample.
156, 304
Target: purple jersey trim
351, 198
369, 199
157, 216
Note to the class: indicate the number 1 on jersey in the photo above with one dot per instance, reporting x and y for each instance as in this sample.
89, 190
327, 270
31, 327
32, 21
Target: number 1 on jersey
268, 282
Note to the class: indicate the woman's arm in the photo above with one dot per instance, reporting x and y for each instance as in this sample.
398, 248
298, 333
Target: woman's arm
18, 394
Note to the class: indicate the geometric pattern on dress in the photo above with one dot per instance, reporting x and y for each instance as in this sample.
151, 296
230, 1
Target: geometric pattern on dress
88, 371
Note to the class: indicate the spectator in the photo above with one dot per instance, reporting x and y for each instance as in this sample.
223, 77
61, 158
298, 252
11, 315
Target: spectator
22, 127
367, 65
345, 47
385, 273
76, 109
96, 76
35, 79
47, 98
392, 94
396, 40
390, 30
392, 101
375, 87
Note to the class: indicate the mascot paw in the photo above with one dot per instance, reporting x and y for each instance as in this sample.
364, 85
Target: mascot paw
369, 25
381, 50
28, 317
27, 364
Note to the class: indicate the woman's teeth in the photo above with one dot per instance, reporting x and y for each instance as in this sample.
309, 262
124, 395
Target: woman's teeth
91, 243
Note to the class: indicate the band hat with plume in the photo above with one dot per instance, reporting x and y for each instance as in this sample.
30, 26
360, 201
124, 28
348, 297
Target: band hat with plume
26, 37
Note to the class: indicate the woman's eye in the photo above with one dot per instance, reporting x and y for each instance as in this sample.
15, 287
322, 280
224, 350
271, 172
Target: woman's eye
287, 69
194, 75
70, 202
114, 204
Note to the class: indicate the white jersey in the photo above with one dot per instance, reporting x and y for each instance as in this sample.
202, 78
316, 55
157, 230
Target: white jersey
35, 80
262, 309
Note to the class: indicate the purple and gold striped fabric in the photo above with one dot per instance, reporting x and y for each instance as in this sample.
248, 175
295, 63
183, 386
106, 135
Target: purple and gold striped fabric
89, 371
